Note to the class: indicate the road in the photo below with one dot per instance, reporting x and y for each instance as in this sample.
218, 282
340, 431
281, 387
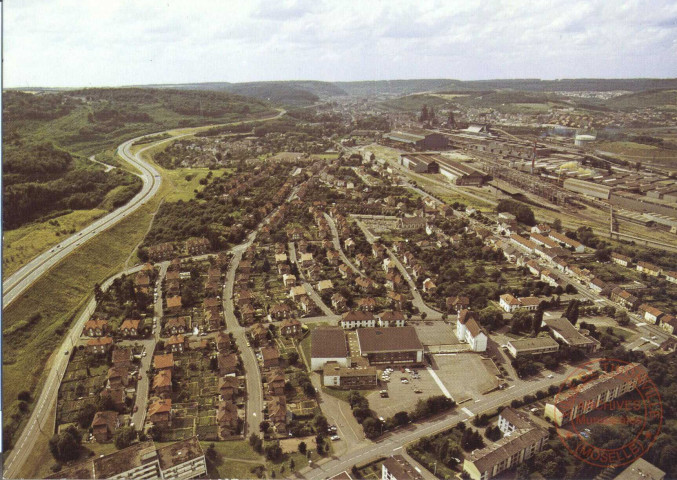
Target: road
337, 245
37, 423
23, 278
393, 442
18, 282
249, 362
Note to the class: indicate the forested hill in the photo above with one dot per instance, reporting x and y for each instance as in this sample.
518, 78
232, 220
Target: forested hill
47, 137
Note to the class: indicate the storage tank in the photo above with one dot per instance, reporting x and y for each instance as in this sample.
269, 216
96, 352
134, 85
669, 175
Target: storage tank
583, 140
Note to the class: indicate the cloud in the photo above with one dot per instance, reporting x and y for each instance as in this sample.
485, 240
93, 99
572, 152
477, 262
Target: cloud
90, 43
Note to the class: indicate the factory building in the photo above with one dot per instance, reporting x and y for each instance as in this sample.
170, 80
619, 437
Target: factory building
588, 188
417, 140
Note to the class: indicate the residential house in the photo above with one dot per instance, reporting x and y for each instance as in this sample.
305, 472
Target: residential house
130, 327
670, 276
104, 425
290, 328
227, 364
224, 343
270, 357
597, 285
289, 280
177, 325
391, 318
624, 298
122, 357
278, 415
338, 302
650, 314
649, 269
160, 412
118, 377
96, 327
307, 305
325, 285
177, 344
162, 383
197, 246
276, 380
366, 304
161, 362
280, 311
620, 259
429, 286
247, 313
99, 345
227, 420
345, 271
668, 323
296, 292
394, 281
229, 387
456, 304
357, 319
174, 304
259, 333
397, 300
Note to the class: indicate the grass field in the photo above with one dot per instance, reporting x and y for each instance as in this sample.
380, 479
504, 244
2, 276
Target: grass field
187, 180
24, 243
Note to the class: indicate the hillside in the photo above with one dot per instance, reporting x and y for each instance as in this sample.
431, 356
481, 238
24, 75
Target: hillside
47, 137
651, 98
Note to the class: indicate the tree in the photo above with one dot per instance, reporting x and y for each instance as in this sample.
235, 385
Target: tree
557, 225
573, 312
86, 415
537, 321
371, 427
24, 396
124, 437
302, 448
264, 426
292, 464
320, 424
622, 318
292, 358
65, 446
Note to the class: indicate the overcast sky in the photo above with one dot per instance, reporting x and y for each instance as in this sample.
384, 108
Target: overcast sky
115, 42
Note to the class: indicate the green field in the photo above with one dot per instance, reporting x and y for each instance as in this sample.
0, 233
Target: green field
187, 182
24, 243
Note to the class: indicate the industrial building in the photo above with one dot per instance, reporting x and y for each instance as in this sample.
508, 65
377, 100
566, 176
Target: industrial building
418, 140
390, 346
589, 189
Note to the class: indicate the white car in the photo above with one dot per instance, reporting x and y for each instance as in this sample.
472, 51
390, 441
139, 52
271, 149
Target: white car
335, 438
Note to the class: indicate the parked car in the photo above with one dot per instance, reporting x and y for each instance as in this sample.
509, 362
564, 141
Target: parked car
335, 438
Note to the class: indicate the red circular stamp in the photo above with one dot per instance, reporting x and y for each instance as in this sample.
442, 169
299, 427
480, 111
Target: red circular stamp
607, 393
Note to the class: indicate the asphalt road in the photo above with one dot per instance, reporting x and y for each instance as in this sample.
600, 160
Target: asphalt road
337, 245
37, 423
23, 278
393, 443
19, 281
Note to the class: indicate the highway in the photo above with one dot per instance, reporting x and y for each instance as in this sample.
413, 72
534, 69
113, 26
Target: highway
18, 282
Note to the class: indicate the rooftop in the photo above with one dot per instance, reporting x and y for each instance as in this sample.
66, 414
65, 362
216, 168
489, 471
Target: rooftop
328, 343
393, 339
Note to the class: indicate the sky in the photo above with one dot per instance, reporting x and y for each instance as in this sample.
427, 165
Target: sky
88, 43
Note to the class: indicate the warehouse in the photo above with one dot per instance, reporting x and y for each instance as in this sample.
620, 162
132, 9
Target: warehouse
394, 345
588, 188
460, 174
419, 140
420, 163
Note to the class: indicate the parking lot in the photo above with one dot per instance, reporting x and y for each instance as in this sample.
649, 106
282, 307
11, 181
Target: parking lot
402, 396
466, 375
436, 333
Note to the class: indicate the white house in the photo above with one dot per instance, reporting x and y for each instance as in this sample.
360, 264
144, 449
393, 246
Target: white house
469, 331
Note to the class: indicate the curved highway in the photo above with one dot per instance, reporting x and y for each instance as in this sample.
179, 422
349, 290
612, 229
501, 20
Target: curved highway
18, 282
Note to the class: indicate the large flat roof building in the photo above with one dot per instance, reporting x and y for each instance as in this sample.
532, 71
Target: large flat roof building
328, 345
393, 345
